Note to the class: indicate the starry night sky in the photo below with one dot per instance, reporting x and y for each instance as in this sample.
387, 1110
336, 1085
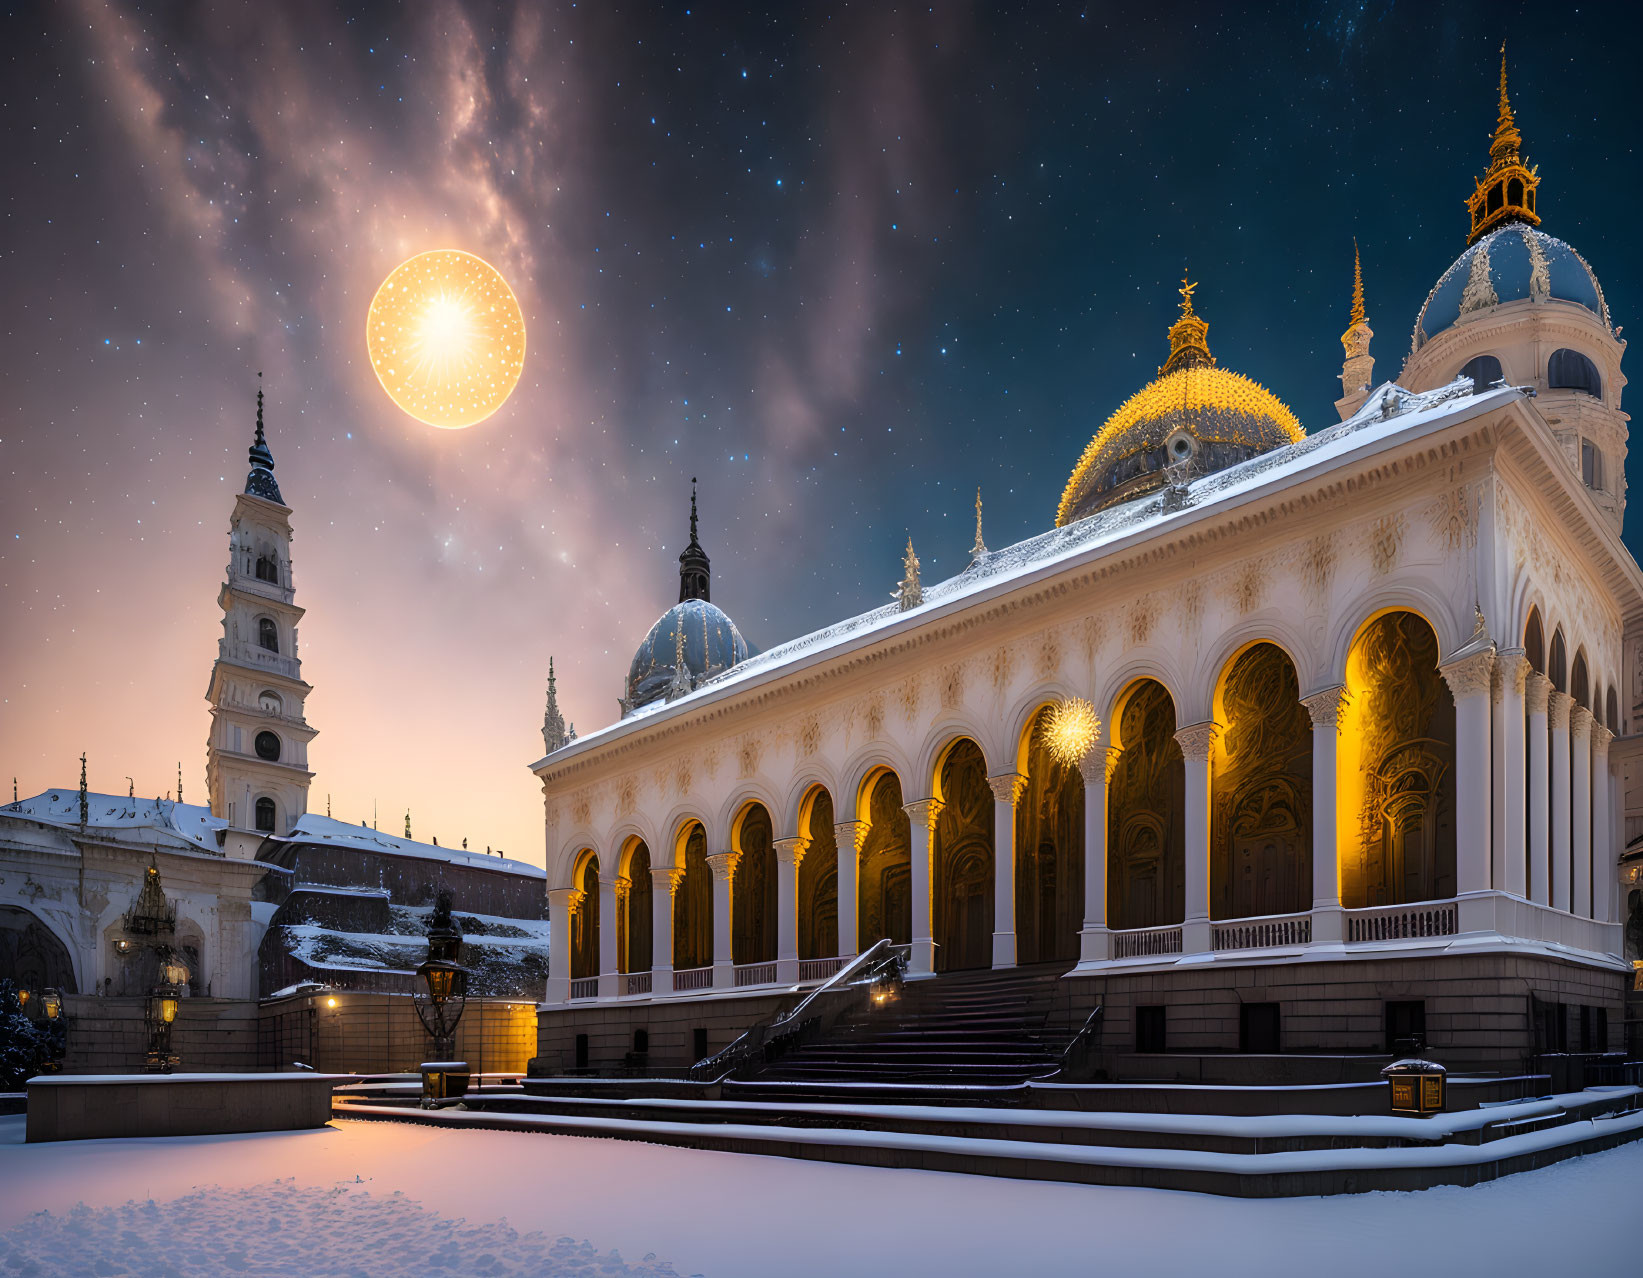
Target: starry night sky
844, 263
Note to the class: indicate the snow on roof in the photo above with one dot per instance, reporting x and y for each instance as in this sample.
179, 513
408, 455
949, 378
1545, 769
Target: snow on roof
1389, 411
311, 828
144, 820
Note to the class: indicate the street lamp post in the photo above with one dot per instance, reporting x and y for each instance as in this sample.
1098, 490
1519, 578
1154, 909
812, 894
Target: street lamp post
440, 996
160, 1013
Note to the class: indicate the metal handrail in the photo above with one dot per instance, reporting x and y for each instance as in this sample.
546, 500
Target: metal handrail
881, 963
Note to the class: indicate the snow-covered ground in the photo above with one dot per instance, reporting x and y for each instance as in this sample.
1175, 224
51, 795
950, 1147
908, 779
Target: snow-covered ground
391, 1198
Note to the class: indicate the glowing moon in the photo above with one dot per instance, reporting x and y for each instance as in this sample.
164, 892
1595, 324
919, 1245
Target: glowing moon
446, 338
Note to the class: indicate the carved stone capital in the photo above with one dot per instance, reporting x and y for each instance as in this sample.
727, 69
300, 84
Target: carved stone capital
621, 888
1325, 706
1196, 740
1470, 676
850, 834
1580, 723
792, 850
561, 899
1007, 787
665, 880
923, 812
1557, 710
1511, 672
723, 864
1098, 764
574, 900
1601, 737
1537, 689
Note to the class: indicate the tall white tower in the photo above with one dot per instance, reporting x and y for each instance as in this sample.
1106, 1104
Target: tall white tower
257, 755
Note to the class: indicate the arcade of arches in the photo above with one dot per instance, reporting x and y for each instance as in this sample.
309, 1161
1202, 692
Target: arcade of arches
926, 872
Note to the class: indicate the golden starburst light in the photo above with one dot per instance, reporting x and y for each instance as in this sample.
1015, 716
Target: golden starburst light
1071, 730
446, 338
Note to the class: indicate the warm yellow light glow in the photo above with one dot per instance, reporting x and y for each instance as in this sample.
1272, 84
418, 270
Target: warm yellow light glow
446, 338
331, 1002
1072, 730
168, 1010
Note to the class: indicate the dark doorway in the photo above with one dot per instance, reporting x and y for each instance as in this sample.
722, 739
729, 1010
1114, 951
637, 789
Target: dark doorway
1149, 1028
963, 863
1258, 1028
1405, 1025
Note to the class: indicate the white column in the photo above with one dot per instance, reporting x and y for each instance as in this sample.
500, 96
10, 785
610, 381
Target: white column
848, 836
1511, 869
1095, 941
561, 906
1006, 788
921, 817
1328, 923
1605, 880
789, 855
1536, 690
612, 896
1196, 740
1557, 723
1580, 810
723, 865
662, 883
1469, 681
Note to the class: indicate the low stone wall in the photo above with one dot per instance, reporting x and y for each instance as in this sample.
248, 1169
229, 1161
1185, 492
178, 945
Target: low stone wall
95, 1106
108, 1036
670, 1025
353, 1033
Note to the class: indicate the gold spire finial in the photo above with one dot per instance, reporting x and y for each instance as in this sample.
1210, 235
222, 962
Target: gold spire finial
980, 548
1506, 191
1187, 344
1357, 284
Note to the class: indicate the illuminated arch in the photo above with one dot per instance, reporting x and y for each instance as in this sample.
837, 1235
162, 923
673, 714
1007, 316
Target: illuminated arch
636, 922
1049, 848
753, 886
962, 858
692, 898
1146, 801
884, 902
584, 930
818, 875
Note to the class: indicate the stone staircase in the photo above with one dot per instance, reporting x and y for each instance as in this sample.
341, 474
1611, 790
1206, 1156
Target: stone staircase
965, 1030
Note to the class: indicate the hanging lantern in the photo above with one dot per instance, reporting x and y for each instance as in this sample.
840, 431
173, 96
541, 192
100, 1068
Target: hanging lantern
51, 1002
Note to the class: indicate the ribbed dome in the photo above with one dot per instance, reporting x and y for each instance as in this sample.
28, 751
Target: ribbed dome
1194, 413
711, 644
1508, 264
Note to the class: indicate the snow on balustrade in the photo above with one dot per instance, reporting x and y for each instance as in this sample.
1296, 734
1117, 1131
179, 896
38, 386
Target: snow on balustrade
693, 978
1264, 933
1402, 922
755, 973
1144, 942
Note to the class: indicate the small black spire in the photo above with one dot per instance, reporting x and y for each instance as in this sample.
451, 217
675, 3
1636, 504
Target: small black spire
260, 482
694, 568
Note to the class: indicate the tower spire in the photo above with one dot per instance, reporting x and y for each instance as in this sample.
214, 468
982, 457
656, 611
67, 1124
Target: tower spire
553, 722
260, 482
695, 570
910, 594
1188, 344
980, 548
1358, 366
1506, 191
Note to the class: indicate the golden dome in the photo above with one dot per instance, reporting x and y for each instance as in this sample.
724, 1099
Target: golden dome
1193, 413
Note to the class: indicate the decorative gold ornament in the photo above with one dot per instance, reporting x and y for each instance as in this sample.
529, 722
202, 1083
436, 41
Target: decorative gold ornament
1072, 730
1506, 191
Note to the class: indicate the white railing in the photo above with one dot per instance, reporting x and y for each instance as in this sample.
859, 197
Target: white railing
818, 969
636, 983
585, 987
1402, 922
755, 973
1263, 933
1146, 941
693, 978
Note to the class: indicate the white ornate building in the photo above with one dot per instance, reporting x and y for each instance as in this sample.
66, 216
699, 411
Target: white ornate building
1359, 692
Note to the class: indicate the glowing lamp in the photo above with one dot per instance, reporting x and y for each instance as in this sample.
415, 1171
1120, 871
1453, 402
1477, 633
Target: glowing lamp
168, 1010
51, 1002
174, 972
23, 997
1072, 730
1416, 1086
331, 1002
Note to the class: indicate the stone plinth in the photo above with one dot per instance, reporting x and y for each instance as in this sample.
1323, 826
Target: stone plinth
91, 1106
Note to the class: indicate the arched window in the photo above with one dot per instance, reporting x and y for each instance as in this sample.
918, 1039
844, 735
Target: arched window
268, 746
1534, 642
1580, 682
1514, 191
584, 931
693, 905
268, 569
1484, 370
1049, 852
1260, 848
1611, 719
884, 889
636, 951
269, 702
961, 916
753, 891
1559, 672
1146, 802
1591, 465
265, 815
819, 881
268, 634
1396, 785
1570, 370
